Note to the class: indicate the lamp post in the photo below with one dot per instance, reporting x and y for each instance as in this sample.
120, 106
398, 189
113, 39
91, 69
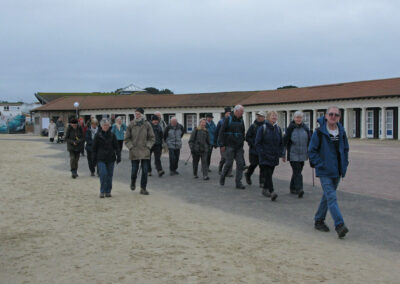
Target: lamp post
76, 106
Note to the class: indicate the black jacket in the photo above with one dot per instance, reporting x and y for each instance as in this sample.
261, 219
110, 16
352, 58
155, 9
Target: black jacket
105, 147
74, 135
232, 132
199, 141
251, 136
158, 133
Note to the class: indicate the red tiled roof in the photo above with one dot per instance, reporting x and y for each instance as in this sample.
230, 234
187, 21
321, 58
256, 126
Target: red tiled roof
353, 90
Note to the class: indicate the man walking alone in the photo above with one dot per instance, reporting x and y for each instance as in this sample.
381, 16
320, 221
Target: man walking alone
328, 153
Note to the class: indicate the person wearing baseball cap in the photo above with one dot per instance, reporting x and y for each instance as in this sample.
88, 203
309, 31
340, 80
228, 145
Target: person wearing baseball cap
253, 156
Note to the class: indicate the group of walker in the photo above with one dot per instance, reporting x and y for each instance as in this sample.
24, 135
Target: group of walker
327, 149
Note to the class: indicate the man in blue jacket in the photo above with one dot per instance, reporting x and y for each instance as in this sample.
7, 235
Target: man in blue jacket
211, 128
329, 154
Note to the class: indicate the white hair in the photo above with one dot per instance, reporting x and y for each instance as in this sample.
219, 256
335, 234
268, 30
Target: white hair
157, 112
298, 113
118, 118
238, 107
104, 121
331, 107
172, 118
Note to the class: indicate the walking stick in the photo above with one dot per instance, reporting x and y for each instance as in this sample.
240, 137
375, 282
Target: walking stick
188, 159
313, 183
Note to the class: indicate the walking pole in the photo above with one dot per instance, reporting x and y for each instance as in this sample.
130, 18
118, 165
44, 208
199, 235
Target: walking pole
313, 183
188, 159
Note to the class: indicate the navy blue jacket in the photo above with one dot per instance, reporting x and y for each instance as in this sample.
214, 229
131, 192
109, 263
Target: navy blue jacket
322, 154
269, 144
219, 124
251, 136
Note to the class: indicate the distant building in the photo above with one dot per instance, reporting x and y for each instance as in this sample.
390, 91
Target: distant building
370, 109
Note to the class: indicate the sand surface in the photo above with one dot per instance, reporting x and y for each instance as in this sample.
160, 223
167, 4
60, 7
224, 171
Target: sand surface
56, 230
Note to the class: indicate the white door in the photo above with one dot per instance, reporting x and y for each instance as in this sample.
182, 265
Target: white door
307, 119
389, 124
191, 122
370, 124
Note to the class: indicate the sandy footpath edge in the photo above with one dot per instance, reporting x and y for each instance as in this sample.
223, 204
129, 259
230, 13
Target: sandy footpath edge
56, 230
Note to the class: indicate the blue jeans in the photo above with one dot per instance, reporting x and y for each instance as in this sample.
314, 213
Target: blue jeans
145, 170
329, 201
106, 171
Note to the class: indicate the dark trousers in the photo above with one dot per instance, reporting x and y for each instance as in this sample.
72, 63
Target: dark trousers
120, 144
204, 167
73, 160
157, 149
91, 162
135, 169
173, 159
83, 149
209, 153
253, 158
222, 162
106, 171
232, 154
268, 172
52, 140
296, 183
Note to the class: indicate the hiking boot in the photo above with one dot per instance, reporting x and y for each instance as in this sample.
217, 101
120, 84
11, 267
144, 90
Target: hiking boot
266, 193
92, 174
321, 226
160, 173
176, 172
74, 174
206, 178
108, 195
195, 176
341, 230
209, 170
133, 186
101, 195
149, 174
274, 196
301, 193
248, 178
144, 191
222, 180
240, 186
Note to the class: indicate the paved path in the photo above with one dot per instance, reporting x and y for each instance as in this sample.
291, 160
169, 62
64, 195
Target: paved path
373, 221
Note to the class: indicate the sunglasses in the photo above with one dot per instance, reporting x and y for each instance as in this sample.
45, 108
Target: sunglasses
334, 114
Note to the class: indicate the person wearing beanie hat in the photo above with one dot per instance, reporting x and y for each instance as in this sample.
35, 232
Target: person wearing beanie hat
140, 109
157, 147
75, 143
227, 113
139, 139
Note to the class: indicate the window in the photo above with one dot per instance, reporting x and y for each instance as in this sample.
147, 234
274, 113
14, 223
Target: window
6, 108
307, 118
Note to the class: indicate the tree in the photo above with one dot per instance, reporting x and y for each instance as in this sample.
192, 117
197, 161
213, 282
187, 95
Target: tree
166, 91
152, 90
287, 87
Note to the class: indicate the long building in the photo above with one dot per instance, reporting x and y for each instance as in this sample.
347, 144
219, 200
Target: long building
370, 109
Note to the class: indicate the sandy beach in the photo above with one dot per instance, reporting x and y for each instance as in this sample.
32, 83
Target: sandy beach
54, 229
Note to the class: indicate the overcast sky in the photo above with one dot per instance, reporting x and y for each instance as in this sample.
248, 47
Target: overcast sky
193, 46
